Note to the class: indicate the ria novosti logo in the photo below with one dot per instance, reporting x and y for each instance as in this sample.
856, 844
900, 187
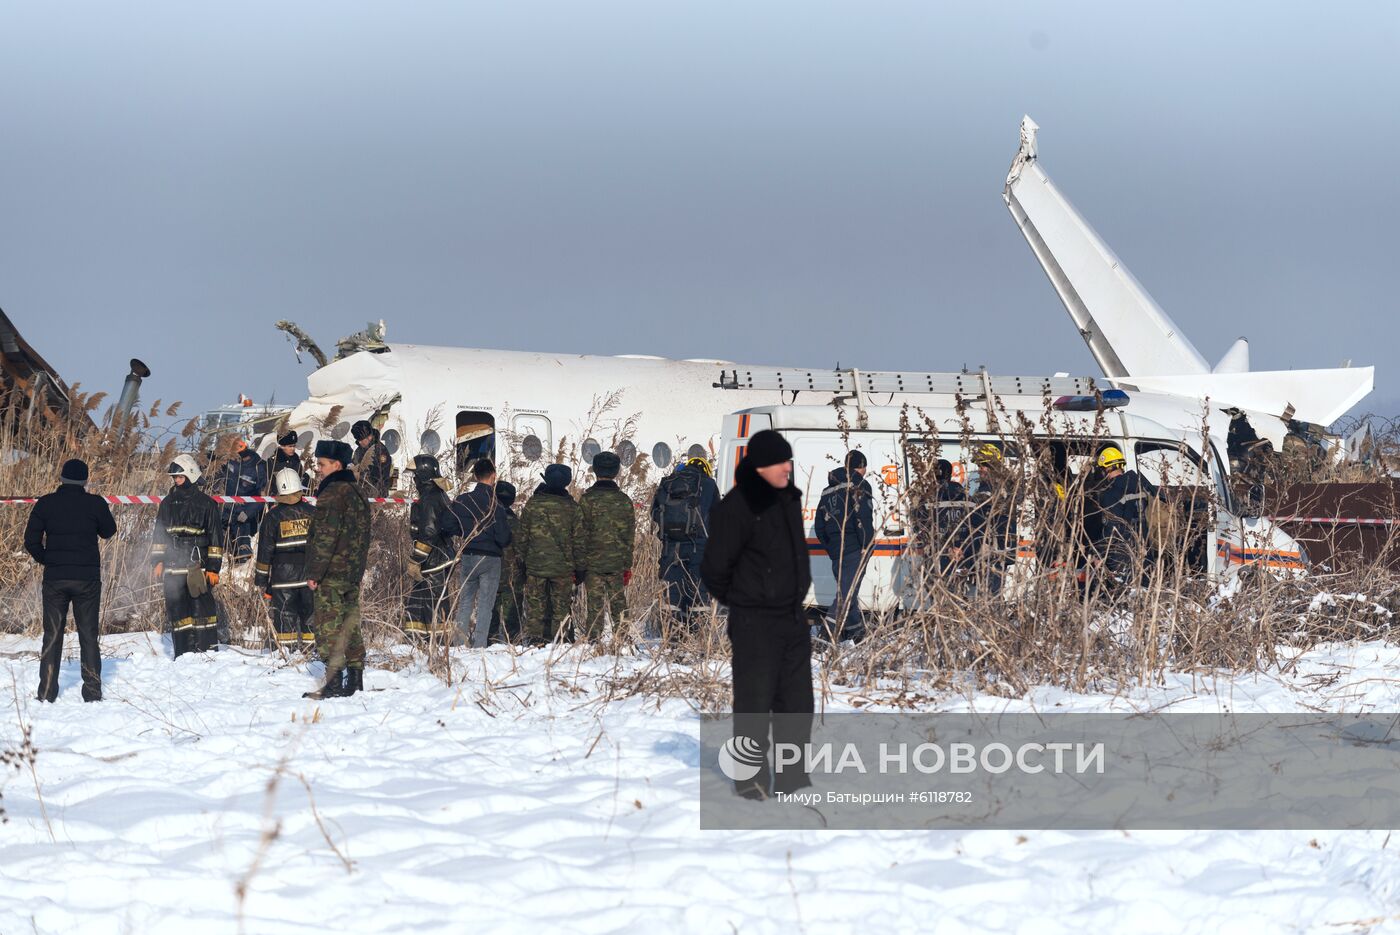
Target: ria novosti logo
741, 758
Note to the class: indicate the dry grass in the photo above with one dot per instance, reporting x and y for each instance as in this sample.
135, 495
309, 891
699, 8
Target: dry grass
1047, 628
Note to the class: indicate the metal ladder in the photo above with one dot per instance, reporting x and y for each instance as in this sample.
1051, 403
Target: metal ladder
974, 385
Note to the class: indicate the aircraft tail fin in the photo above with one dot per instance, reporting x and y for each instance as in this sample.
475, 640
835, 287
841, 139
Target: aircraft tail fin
1127, 332
1235, 360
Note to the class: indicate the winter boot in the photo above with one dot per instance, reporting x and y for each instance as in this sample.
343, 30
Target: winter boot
334, 687
354, 681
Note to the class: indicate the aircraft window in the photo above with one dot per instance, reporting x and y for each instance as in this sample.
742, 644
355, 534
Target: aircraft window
304, 439
341, 430
661, 455
392, 439
531, 448
430, 442
590, 449
696, 451
626, 453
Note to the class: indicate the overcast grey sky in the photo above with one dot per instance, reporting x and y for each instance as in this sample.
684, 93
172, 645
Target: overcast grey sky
799, 183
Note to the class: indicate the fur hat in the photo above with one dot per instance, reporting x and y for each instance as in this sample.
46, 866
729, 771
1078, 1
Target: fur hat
505, 492
558, 475
606, 465
288, 439
335, 451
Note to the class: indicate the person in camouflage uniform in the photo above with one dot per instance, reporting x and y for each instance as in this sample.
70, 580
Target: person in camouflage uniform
505, 625
338, 550
604, 527
432, 558
546, 549
188, 537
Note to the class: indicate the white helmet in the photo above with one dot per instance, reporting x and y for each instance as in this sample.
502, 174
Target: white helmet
287, 482
184, 466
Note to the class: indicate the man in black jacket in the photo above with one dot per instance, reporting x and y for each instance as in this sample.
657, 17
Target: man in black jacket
480, 522
372, 464
283, 459
62, 535
756, 564
845, 527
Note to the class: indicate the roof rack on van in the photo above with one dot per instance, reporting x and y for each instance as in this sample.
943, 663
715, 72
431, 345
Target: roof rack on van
974, 385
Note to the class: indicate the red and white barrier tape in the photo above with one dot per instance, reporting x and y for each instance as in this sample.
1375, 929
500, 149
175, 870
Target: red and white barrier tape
1335, 520
128, 499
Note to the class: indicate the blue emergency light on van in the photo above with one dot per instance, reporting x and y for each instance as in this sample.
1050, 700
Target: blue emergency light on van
1112, 399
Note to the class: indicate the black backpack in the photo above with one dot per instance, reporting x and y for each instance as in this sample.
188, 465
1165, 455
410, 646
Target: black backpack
680, 507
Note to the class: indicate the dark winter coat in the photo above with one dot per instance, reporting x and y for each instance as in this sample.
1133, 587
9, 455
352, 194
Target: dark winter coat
1123, 501
605, 528
845, 522
243, 476
432, 547
942, 524
63, 530
188, 531
757, 553
282, 545
546, 544
340, 534
992, 519
479, 521
373, 468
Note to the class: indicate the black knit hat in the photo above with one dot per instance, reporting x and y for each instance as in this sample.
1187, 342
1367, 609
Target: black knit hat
606, 465
289, 439
335, 451
855, 460
75, 472
505, 492
361, 429
767, 448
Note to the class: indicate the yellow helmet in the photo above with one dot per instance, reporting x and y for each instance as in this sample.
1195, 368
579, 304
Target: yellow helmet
987, 454
702, 465
1111, 457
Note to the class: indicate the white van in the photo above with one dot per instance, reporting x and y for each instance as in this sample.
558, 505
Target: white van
1161, 437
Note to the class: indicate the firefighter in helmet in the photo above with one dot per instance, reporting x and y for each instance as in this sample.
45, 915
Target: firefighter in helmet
280, 569
187, 552
432, 557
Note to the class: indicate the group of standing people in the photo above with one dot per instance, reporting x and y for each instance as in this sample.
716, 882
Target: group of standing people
1099, 519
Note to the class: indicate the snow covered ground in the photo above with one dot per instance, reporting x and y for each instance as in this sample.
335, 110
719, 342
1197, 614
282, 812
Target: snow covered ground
530, 798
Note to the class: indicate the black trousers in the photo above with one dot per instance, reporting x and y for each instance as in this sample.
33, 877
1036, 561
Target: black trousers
85, 597
428, 609
193, 620
680, 569
772, 668
291, 616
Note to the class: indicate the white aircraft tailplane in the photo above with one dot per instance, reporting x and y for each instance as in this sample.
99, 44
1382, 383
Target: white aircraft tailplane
1133, 340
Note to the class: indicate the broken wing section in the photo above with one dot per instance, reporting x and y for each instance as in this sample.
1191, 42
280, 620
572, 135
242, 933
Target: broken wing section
1127, 332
